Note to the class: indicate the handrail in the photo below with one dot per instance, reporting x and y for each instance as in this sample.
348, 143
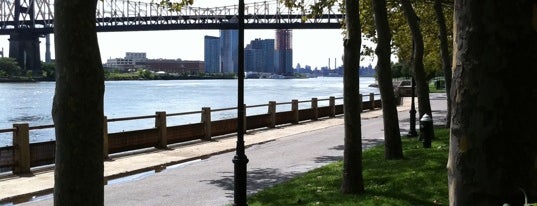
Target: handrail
183, 113
42, 127
131, 118
162, 134
172, 114
7, 130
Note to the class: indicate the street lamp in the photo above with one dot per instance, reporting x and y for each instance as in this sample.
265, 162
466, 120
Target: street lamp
240, 160
412, 132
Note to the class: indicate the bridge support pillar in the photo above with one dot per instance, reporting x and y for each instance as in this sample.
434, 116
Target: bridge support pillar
24, 47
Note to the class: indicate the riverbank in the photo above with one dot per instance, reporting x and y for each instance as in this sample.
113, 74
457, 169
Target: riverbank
15, 188
17, 80
209, 180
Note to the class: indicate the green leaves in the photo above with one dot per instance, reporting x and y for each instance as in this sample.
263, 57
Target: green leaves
9, 67
175, 6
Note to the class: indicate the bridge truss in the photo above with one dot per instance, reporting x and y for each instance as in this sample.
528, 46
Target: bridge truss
37, 16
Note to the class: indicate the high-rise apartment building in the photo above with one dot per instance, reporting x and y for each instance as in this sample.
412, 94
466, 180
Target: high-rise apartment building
284, 52
229, 48
259, 56
212, 54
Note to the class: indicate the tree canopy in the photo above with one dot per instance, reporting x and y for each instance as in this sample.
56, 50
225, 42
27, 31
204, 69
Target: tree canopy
9, 67
401, 35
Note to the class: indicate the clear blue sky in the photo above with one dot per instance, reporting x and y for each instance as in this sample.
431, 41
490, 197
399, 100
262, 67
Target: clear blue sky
310, 47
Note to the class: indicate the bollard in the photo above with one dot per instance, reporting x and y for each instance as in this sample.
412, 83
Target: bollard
206, 120
160, 124
332, 104
426, 130
315, 108
272, 114
294, 109
21, 143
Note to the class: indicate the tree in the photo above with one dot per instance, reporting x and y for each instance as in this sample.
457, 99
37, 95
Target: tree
493, 130
49, 70
418, 71
401, 33
78, 105
444, 52
393, 148
9, 67
352, 182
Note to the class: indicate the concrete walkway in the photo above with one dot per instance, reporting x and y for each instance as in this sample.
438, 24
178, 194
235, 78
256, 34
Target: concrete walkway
202, 173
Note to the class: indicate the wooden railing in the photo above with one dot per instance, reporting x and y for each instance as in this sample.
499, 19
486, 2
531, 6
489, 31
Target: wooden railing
22, 156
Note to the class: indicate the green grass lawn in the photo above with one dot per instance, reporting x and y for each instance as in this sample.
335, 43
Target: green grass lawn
419, 179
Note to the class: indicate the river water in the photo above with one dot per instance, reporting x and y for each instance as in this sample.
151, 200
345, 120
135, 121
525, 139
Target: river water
32, 102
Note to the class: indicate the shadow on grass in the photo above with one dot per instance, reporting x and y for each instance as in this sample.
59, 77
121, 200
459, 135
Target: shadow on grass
418, 179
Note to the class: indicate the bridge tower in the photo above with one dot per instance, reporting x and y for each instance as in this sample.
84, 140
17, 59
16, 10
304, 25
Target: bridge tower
24, 41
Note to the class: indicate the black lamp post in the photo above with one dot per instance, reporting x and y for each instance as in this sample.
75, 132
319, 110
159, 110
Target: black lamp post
240, 160
412, 132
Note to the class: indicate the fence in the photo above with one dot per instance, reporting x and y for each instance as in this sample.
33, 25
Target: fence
22, 156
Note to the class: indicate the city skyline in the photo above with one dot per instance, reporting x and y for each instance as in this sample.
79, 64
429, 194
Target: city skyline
310, 47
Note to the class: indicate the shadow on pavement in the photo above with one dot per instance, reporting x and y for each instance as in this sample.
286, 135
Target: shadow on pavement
257, 179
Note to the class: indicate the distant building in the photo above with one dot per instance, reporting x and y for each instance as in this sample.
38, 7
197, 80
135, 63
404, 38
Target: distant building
284, 52
126, 64
229, 48
136, 56
172, 66
120, 64
212, 54
138, 60
259, 56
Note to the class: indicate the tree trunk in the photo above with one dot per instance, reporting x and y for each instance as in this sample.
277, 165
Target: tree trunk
352, 182
78, 105
493, 147
422, 88
444, 52
393, 148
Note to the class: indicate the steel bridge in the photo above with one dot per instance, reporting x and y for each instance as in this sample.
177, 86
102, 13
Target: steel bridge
27, 20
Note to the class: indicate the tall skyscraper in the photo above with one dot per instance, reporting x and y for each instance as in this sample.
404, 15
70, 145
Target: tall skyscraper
259, 56
229, 48
212, 54
284, 52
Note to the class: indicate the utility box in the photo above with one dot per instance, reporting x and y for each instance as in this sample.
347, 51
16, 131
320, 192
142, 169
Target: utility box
426, 130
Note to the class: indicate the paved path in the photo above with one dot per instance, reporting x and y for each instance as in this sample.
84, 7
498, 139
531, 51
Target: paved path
275, 155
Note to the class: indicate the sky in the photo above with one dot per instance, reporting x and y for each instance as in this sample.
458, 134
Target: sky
310, 47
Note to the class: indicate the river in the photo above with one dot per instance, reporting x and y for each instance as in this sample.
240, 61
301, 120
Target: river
32, 102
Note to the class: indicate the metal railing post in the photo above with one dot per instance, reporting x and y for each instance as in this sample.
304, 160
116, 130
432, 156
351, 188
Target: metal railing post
272, 114
160, 124
21, 143
206, 120
245, 123
294, 109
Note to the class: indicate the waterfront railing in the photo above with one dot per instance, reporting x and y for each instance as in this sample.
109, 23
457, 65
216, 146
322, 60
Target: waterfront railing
22, 156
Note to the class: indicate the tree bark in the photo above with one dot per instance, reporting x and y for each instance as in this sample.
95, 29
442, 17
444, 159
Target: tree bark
418, 70
78, 105
393, 148
352, 182
493, 145
444, 52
